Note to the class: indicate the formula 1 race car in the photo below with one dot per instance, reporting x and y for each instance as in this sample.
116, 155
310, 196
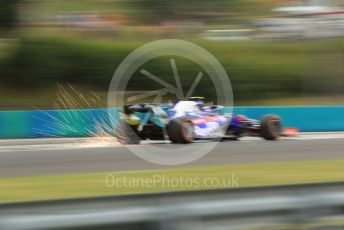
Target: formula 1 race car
189, 120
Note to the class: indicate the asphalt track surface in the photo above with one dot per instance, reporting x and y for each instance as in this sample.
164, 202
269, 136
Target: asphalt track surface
66, 156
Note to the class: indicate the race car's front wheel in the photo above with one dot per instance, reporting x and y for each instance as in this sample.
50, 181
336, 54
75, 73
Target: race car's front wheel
271, 127
180, 131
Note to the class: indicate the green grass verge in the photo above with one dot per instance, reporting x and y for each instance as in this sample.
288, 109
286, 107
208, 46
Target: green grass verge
94, 184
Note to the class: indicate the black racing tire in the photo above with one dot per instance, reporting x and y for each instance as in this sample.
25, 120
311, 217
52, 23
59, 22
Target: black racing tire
125, 134
270, 127
181, 131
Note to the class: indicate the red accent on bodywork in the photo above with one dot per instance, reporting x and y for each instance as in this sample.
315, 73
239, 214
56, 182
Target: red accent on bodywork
205, 119
240, 118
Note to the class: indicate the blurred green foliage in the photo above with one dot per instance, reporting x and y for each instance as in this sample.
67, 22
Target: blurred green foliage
43, 61
8, 14
256, 69
155, 11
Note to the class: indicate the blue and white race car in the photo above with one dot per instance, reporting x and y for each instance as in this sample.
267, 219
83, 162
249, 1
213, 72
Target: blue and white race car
188, 120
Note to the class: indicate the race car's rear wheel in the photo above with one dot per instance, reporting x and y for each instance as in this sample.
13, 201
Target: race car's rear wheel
271, 127
180, 131
125, 134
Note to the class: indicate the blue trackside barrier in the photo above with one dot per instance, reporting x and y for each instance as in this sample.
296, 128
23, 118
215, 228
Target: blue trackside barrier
56, 123
89, 122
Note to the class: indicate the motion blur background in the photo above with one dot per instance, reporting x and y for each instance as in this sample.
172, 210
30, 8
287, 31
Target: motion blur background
276, 52
62, 54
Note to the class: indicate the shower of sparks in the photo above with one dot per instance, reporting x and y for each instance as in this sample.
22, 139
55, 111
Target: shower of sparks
76, 108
